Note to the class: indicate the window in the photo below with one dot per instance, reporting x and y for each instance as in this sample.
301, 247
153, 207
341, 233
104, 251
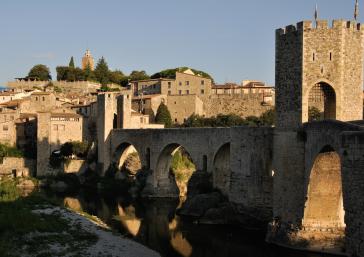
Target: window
313, 57
141, 119
175, 120
180, 83
169, 84
36, 98
169, 92
187, 92
330, 56
187, 83
5, 128
202, 91
202, 82
43, 98
180, 92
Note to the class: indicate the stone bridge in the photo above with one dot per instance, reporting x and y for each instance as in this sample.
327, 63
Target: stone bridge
318, 188
312, 178
239, 159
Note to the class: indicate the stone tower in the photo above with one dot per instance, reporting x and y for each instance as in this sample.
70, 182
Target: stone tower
319, 66
88, 60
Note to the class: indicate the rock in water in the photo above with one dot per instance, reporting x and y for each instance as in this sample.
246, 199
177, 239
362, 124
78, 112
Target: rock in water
199, 204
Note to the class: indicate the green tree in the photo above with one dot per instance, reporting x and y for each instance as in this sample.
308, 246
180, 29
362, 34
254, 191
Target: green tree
171, 73
102, 72
163, 116
72, 63
117, 77
313, 113
62, 72
268, 117
41, 72
138, 75
89, 74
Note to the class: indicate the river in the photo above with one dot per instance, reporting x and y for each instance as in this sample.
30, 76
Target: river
154, 223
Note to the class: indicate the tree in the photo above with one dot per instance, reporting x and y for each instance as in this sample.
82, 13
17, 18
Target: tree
72, 63
118, 77
138, 75
102, 72
62, 72
40, 72
163, 116
171, 73
313, 113
268, 117
89, 74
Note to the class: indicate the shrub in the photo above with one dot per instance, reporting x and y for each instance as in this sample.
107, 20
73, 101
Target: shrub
10, 151
163, 116
80, 149
313, 113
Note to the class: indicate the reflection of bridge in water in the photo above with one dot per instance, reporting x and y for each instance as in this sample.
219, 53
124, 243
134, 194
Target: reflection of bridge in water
154, 224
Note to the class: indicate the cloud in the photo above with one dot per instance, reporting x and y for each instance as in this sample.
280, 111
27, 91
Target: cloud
48, 56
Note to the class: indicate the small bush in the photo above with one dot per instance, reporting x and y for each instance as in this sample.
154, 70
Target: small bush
10, 151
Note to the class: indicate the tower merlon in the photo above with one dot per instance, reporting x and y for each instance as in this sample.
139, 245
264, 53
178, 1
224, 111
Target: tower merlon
320, 25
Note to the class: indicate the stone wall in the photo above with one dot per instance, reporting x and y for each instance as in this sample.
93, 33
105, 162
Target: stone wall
19, 167
243, 105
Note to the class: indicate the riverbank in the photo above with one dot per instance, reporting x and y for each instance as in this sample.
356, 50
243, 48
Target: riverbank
35, 227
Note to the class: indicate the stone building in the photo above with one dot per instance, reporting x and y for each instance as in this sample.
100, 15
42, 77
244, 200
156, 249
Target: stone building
88, 61
185, 83
315, 189
318, 65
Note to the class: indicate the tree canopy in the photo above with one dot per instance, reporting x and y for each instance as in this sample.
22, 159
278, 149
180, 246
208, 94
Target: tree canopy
163, 116
72, 63
40, 72
138, 75
102, 72
171, 73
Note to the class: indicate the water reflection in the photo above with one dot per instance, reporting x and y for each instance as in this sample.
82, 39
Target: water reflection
154, 224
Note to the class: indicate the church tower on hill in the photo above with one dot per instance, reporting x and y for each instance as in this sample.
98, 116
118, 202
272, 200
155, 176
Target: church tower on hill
88, 60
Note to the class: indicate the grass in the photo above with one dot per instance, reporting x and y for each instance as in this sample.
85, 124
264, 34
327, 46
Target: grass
22, 231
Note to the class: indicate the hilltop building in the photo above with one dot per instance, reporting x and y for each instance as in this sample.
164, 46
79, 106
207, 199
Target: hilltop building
88, 61
188, 94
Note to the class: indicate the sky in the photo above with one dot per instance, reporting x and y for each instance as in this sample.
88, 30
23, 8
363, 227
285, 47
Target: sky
232, 40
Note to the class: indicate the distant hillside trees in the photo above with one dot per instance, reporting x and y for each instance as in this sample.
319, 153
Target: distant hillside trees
138, 75
40, 72
171, 73
101, 74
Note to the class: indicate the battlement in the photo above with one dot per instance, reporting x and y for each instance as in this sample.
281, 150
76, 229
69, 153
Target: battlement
305, 26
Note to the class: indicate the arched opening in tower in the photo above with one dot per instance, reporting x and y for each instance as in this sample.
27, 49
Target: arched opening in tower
221, 171
324, 209
322, 102
126, 162
174, 169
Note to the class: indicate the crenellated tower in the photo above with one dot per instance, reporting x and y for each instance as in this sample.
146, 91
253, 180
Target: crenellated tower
319, 66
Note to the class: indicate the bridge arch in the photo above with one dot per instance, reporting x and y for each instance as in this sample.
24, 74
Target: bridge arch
324, 207
221, 169
122, 152
163, 175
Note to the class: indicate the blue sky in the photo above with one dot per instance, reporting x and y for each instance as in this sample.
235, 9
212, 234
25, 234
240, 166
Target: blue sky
230, 39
